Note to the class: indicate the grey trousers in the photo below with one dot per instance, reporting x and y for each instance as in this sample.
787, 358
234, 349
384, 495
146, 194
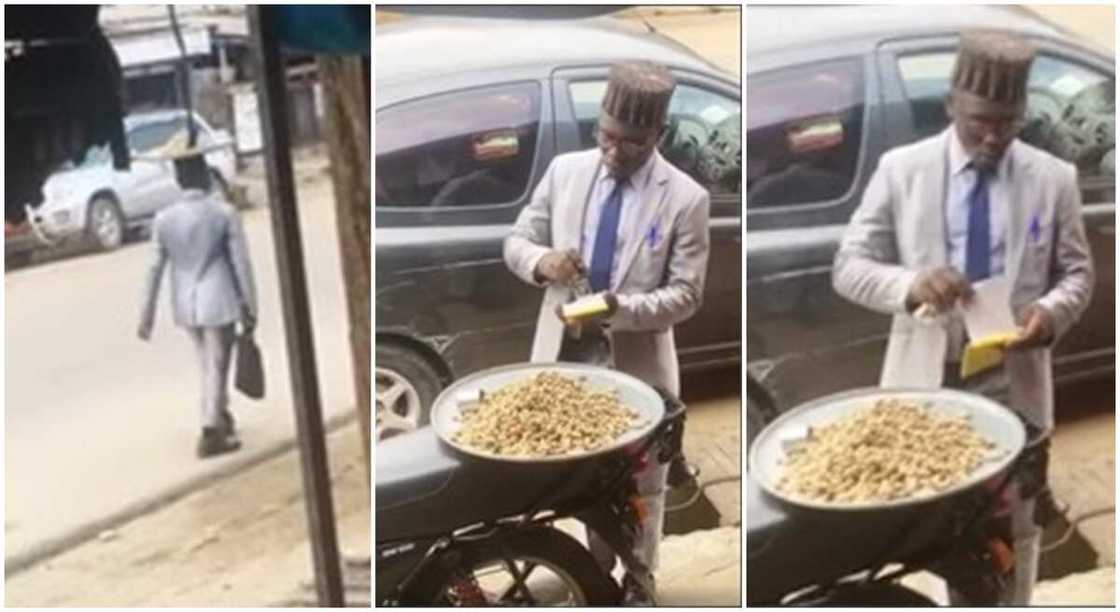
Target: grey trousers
215, 347
1026, 534
652, 483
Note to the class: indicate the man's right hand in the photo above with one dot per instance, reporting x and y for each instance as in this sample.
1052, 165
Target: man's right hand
940, 288
559, 267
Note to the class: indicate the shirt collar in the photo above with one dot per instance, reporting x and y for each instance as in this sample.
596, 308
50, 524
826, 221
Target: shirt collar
959, 159
640, 176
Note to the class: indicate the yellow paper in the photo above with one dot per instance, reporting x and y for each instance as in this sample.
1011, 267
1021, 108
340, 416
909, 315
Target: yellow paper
985, 353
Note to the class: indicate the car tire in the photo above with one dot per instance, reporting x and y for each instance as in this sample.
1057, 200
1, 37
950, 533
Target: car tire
105, 226
406, 384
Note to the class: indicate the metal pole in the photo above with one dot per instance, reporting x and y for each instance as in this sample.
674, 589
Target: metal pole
297, 319
183, 71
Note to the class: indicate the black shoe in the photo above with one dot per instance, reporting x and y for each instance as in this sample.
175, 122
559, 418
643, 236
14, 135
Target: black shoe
682, 474
215, 441
634, 596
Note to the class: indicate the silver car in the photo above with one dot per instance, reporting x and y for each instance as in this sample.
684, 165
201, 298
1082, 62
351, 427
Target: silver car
92, 200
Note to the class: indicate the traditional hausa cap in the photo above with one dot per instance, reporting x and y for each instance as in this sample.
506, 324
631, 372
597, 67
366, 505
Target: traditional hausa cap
638, 94
993, 65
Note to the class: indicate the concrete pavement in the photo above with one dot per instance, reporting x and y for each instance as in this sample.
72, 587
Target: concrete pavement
240, 542
98, 422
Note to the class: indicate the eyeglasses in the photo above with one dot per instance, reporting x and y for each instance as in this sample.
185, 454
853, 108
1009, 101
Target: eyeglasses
1001, 127
628, 146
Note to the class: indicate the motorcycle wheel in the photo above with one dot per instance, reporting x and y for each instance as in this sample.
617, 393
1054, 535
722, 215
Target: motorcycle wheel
515, 569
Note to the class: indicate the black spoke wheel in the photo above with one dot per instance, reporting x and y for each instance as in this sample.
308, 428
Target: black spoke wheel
527, 567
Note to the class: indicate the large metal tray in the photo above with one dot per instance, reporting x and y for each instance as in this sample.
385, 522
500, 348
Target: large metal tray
631, 392
988, 417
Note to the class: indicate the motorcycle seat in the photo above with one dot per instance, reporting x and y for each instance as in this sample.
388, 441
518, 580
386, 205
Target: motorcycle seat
411, 466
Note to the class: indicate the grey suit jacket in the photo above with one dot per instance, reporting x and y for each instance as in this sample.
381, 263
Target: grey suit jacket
899, 229
211, 277
658, 285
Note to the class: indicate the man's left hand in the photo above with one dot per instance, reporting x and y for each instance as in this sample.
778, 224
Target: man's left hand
1037, 329
612, 307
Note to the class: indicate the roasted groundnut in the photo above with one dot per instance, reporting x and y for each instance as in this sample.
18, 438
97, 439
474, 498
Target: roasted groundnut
549, 414
893, 450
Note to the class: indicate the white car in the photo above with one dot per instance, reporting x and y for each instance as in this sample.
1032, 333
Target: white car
92, 200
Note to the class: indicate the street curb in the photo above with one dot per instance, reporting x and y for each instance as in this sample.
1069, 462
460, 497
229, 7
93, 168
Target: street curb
83, 533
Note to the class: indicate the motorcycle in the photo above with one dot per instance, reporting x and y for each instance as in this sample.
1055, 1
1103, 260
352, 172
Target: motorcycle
806, 556
457, 529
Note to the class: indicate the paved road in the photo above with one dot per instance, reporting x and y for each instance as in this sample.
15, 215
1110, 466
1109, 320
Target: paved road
97, 420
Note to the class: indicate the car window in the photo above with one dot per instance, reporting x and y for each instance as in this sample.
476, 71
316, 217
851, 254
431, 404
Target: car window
702, 139
467, 148
804, 133
154, 135
151, 136
1070, 107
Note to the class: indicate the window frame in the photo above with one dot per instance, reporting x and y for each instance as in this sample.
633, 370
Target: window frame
567, 132
858, 172
892, 50
538, 150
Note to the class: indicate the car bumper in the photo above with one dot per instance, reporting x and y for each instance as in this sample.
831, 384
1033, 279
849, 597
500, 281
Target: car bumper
53, 225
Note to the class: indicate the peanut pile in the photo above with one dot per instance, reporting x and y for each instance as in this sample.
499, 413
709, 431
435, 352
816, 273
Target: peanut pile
546, 415
893, 450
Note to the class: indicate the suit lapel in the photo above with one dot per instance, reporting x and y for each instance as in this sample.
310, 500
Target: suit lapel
1019, 206
651, 200
580, 194
935, 215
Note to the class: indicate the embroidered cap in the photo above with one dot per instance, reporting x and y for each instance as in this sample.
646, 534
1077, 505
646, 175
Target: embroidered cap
638, 94
993, 65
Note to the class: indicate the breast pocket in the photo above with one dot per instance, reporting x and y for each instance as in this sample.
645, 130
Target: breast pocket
1034, 269
652, 261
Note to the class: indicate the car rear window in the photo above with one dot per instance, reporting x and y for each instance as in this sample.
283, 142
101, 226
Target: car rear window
467, 148
1070, 107
804, 133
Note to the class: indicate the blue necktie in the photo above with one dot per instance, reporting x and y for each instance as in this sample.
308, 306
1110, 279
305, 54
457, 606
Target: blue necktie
606, 236
978, 253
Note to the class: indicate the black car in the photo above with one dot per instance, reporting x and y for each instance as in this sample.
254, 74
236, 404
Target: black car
823, 104
469, 114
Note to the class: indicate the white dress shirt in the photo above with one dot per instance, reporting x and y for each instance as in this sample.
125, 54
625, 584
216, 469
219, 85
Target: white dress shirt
962, 178
604, 185
961, 181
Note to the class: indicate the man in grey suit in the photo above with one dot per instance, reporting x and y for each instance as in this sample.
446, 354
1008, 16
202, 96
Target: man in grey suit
623, 222
971, 203
212, 286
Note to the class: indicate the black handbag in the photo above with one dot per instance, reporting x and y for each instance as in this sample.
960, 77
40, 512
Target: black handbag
249, 377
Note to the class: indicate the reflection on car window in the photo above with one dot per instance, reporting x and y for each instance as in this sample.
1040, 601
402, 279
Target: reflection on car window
467, 148
1070, 108
804, 130
703, 137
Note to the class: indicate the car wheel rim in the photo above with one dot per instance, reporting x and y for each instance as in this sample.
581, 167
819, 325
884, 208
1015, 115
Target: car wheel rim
398, 404
107, 228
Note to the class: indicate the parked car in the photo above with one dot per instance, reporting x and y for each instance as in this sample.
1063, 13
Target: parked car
92, 200
463, 136
823, 105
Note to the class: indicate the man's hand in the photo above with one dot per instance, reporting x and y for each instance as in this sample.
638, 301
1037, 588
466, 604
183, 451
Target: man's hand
144, 332
612, 307
940, 288
1037, 329
559, 267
